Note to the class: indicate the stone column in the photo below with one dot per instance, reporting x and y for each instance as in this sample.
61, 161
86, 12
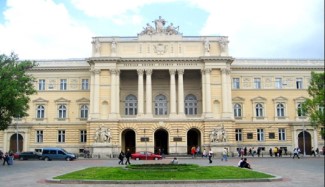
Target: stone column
140, 92
226, 93
113, 93
208, 92
96, 94
172, 93
180, 92
117, 103
92, 93
148, 93
203, 91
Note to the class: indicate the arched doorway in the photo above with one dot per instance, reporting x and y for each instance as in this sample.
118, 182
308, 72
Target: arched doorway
13, 143
161, 141
193, 139
128, 140
307, 142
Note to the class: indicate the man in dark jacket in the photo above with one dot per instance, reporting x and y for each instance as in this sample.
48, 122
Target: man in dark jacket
128, 155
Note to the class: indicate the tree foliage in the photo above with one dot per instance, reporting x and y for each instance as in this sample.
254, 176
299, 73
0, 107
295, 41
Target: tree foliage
314, 107
15, 87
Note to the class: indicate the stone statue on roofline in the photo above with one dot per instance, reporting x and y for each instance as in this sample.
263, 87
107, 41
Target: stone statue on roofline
160, 28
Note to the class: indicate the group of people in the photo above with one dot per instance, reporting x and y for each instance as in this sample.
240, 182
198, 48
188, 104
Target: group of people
195, 151
7, 158
127, 155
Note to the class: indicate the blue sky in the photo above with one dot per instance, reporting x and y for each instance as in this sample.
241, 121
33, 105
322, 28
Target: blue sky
60, 29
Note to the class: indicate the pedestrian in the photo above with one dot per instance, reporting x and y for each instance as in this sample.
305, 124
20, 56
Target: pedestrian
270, 152
121, 157
204, 154
241, 159
317, 151
313, 152
1, 155
193, 151
224, 154
127, 156
197, 150
6, 159
245, 151
296, 153
258, 151
210, 156
245, 164
280, 152
174, 161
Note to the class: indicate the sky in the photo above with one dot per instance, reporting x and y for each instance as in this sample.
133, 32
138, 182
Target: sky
63, 29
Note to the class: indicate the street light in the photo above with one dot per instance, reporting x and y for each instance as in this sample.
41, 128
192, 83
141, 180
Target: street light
17, 146
176, 141
303, 135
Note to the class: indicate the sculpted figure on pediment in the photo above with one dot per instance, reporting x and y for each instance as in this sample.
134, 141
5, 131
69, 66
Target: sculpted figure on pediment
160, 28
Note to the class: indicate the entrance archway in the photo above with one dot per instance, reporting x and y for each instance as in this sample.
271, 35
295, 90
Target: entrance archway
128, 140
193, 139
161, 141
13, 143
307, 142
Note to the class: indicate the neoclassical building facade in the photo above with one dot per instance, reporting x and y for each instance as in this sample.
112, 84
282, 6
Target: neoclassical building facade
163, 90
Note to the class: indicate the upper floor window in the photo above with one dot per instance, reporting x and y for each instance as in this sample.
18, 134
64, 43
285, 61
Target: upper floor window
39, 136
280, 110
282, 134
235, 83
299, 83
40, 112
259, 110
62, 111
278, 82
257, 83
41, 84
237, 110
61, 136
260, 134
84, 112
63, 84
84, 84
131, 104
160, 105
190, 105
300, 111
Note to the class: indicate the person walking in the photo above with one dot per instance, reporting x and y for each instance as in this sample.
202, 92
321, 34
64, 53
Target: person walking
6, 159
121, 157
295, 153
204, 154
210, 156
127, 156
224, 155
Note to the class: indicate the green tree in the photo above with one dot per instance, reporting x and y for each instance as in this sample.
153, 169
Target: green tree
15, 87
314, 107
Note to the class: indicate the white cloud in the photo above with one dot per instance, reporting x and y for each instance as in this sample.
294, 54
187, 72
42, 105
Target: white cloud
44, 30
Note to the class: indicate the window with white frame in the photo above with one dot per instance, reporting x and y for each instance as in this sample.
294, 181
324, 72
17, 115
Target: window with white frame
300, 111
40, 113
160, 105
259, 110
41, 84
190, 105
278, 83
280, 110
63, 84
257, 83
83, 136
39, 136
84, 84
282, 134
84, 111
235, 83
61, 136
62, 112
131, 104
299, 83
260, 134
237, 110
239, 135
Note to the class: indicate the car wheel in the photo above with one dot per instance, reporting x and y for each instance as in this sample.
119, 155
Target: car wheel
68, 159
21, 158
137, 159
156, 158
46, 159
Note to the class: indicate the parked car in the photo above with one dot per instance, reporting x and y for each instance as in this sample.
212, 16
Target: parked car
29, 155
56, 154
145, 155
15, 155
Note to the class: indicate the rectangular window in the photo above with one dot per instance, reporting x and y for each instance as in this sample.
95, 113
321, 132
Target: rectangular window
239, 135
84, 84
278, 83
39, 136
260, 134
63, 84
235, 83
83, 136
322, 132
41, 84
257, 83
299, 83
249, 135
61, 136
282, 134
271, 135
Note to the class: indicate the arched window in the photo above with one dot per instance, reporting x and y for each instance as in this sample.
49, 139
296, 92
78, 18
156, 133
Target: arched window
300, 111
190, 105
237, 110
40, 112
280, 110
62, 111
259, 110
84, 112
160, 105
131, 104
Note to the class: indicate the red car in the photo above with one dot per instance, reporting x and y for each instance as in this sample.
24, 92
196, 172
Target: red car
145, 155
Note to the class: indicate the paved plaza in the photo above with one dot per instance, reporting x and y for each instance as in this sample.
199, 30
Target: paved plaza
308, 171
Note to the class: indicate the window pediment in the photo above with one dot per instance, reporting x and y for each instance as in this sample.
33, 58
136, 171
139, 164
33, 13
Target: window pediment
259, 98
40, 100
83, 100
301, 98
280, 99
62, 100
238, 99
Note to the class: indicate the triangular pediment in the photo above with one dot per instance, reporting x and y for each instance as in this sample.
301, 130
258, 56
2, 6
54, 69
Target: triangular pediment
62, 100
281, 98
301, 98
259, 98
83, 100
40, 100
238, 99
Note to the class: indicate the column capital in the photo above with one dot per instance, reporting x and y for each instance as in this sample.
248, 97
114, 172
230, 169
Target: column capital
225, 70
114, 71
140, 71
149, 71
172, 71
96, 71
207, 70
180, 71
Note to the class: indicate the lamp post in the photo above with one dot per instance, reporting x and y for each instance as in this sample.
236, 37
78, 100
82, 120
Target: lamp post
17, 146
303, 135
176, 141
145, 140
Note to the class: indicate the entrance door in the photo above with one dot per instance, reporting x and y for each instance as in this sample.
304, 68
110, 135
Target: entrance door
307, 142
13, 143
193, 139
128, 140
161, 141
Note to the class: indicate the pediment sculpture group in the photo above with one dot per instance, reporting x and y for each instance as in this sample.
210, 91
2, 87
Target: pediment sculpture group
102, 135
160, 28
218, 135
